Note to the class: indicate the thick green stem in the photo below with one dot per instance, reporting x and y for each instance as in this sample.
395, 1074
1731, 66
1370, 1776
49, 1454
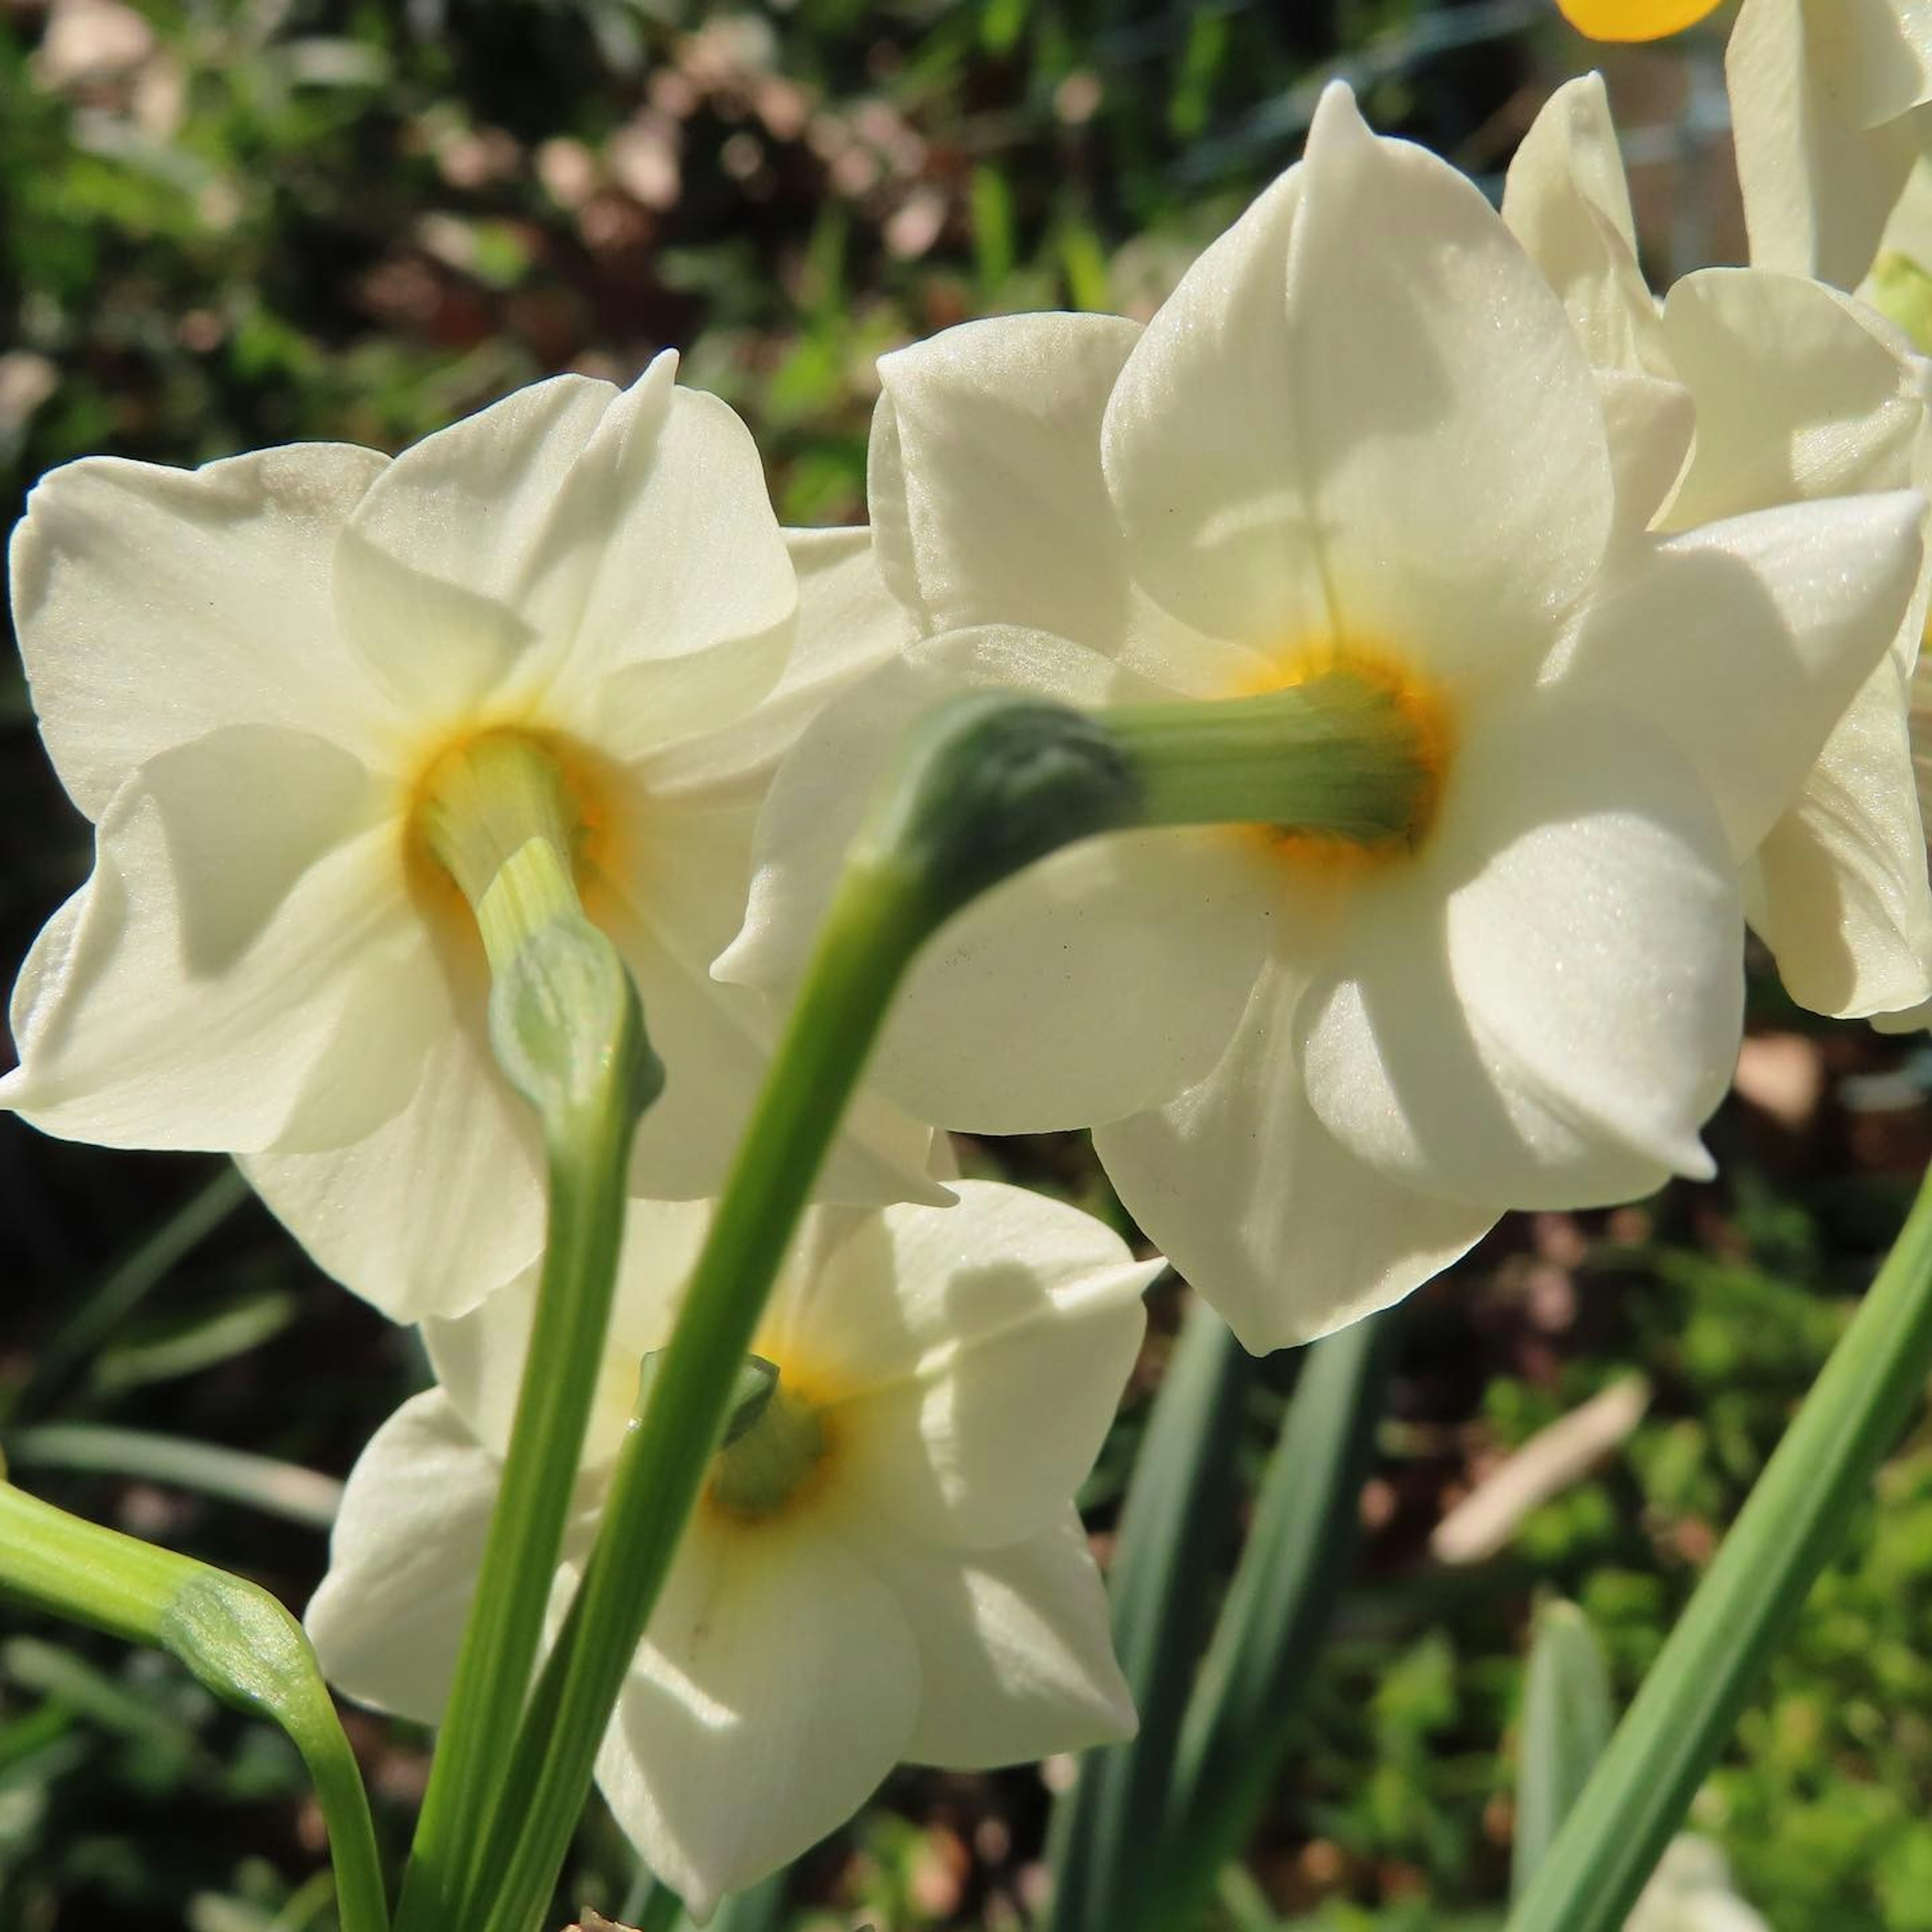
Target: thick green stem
1789, 1527
235, 1637
566, 1028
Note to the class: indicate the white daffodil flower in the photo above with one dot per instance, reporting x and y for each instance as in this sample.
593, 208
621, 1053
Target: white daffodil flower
1798, 393
1361, 438
253, 675
1691, 1891
886, 1564
1831, 104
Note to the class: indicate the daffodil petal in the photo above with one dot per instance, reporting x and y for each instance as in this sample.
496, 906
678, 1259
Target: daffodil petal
1026, 1317
1091, 985
438, 1208
1821, 98
403, 1560
227, 960
1567, 201
1287, 1233
154, 605
987, 495
1802, 393
1542, 1010
1305, 443
1842, 896
1014, 1650
779, 1684
1795, 606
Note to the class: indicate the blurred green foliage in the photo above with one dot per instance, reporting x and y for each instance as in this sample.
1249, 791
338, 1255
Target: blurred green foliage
225, 223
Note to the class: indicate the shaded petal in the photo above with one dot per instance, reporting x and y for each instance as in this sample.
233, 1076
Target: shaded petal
154, 605
1287, 1233
1541, 1010
1398, 445
1809, 87
478, 1358
847, 624
1792, 607
403, 1558
779, 1684
1801, 393
438, 1208
670, 917
1014, 1647
1013, 1018
472, 547
244, 969
986, 493
1650, 423
1842, 898
985, 1347
1567, 201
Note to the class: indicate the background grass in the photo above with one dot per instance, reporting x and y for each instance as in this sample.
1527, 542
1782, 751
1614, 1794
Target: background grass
226, 225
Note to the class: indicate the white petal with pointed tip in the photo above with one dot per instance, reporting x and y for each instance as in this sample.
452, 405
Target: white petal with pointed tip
1280, 444
778, 1685
1013, 1649
1543, 1008
211, 990
1282, 1228
154, 605
403, 1560
1795, 606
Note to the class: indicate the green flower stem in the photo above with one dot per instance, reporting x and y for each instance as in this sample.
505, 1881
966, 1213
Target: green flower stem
236, 1638
1336, 755
1790, 1525
566, 1028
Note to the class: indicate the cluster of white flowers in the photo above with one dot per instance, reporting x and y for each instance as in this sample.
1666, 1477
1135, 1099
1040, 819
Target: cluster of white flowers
1645, 580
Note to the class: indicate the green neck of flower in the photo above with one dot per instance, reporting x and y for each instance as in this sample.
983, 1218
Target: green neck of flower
1339, 755
772, 1442
497, 814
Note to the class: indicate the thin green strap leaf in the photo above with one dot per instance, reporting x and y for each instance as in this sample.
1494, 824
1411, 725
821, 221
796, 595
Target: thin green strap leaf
1248, 1697
1789, 1527
1566, 1723
1180, 1511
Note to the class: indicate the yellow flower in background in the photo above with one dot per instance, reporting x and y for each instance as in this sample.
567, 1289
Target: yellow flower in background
886, 1563
1635, 19
265, 679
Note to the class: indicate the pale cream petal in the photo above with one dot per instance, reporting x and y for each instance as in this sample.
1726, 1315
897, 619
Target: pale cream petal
1651, 423
439, 1207
1095, 983
1842, 899
1397, 445
985, 1347
1276, 1224
1793, 608
1824, 140
244, 969
986, 493
1542, 1009
472, 548
778, 1685
388, 1619
1015, 1648
1801, 393
1567, 201
154, 605
848, 624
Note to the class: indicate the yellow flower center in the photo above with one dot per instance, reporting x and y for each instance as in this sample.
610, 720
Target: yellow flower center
479, 796
1634, 19
1346, 672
